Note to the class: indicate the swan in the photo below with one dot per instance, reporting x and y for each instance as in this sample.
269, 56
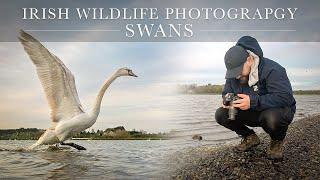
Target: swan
67, 114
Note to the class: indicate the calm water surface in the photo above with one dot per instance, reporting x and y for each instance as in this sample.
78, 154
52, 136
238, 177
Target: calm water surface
135, 159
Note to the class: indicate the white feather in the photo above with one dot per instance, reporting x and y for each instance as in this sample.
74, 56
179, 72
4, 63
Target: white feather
56, 79
67, 115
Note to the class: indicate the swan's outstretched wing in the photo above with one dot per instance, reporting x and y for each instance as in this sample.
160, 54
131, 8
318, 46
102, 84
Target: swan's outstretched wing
56, 79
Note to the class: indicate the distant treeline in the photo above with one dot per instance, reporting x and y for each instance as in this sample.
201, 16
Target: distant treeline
117, 133
306, 92
200, 89
217, 89
20, 134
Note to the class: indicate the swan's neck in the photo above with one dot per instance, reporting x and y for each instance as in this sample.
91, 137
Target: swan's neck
97, 105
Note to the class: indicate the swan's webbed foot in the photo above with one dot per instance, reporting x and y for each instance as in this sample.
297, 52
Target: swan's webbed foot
78, 147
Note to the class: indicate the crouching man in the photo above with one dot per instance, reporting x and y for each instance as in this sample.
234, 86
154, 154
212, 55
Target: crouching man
265, 93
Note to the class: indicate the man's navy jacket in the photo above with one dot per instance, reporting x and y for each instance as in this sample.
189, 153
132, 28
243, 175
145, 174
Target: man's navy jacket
273, 88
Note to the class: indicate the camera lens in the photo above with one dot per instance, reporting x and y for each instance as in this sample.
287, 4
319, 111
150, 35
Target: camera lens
232, 113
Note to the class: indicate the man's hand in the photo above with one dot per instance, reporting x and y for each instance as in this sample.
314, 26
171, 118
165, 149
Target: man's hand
243, 103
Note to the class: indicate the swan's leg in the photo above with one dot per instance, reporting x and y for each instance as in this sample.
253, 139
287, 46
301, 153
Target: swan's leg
74, 145
33, 146
48, 137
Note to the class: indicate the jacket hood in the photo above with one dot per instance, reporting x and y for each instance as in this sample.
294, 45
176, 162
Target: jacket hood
251, 44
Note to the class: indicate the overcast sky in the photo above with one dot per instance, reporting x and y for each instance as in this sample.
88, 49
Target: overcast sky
138, 103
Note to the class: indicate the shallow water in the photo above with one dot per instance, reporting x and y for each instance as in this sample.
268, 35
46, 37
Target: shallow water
134, 159
130, 159
194, 114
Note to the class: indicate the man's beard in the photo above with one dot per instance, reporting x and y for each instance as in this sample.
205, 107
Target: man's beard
244, 80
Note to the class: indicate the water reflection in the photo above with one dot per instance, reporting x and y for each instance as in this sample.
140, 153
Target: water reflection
65, 164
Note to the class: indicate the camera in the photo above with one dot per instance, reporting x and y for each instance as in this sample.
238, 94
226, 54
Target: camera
228, 101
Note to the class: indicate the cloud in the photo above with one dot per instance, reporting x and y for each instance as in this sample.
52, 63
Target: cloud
200, 56
304, 72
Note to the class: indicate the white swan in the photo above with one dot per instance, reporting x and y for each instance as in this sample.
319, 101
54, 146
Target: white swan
67, 115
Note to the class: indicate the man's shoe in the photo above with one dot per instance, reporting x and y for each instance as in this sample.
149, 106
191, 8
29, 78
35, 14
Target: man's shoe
248, 142
275, 150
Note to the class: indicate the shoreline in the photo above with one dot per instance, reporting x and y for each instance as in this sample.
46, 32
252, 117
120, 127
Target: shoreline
117, 133
295, 94
163, 139
301, 157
